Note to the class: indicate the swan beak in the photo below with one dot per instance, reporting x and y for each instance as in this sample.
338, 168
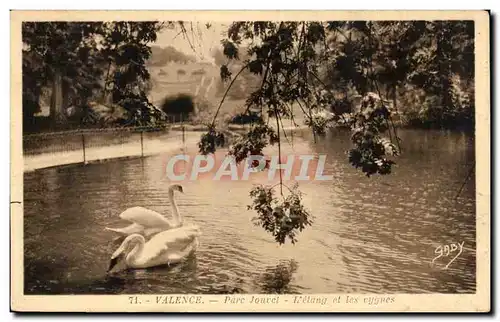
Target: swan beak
114, 261
112, 264
116, 257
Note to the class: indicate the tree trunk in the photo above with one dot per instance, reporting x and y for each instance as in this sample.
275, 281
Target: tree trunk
107, 96
395, 97
56, 103
65, 97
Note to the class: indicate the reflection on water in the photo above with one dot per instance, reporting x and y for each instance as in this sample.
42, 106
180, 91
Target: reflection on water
374, 235
276, 280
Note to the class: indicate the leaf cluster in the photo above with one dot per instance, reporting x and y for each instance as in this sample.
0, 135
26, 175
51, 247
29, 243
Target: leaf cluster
284, 217
253, 142
371, 151
210, 140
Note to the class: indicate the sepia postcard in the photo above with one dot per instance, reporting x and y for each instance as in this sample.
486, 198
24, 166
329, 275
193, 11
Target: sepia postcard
250, 161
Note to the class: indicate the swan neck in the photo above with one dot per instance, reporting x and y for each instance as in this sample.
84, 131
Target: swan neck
175, 210
136, 251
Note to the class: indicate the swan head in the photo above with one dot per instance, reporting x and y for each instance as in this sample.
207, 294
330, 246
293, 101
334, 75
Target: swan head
125, 248
176, 187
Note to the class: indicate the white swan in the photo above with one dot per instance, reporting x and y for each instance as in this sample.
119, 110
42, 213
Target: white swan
168, 247
148, 222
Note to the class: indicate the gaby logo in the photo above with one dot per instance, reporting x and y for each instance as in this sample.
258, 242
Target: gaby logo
292, 167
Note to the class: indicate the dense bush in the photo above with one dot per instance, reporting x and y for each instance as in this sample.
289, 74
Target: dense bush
422, 110
246, 118
180, 106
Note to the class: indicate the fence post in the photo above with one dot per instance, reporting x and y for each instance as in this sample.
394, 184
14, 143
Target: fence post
83, 145
183, 132
142, 145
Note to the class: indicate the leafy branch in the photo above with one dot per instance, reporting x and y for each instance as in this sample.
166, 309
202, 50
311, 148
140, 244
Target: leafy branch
224, 75
282, 217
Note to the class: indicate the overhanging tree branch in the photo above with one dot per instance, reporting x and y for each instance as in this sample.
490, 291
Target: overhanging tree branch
226, 92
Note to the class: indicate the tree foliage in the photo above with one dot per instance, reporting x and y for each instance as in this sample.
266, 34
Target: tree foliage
62, 49
92, 59
281, 217
403, 59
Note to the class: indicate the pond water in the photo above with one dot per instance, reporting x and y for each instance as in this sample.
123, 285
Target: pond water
369, 235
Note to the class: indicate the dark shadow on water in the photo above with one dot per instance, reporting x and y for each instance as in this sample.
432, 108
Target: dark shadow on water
124, 281
106, 285
41, 276
277, 279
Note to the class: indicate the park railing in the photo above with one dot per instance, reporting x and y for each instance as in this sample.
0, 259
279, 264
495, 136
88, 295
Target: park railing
85, 145
49, 149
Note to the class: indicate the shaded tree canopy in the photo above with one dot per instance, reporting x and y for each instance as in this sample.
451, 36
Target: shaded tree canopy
311, 64
84, 60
